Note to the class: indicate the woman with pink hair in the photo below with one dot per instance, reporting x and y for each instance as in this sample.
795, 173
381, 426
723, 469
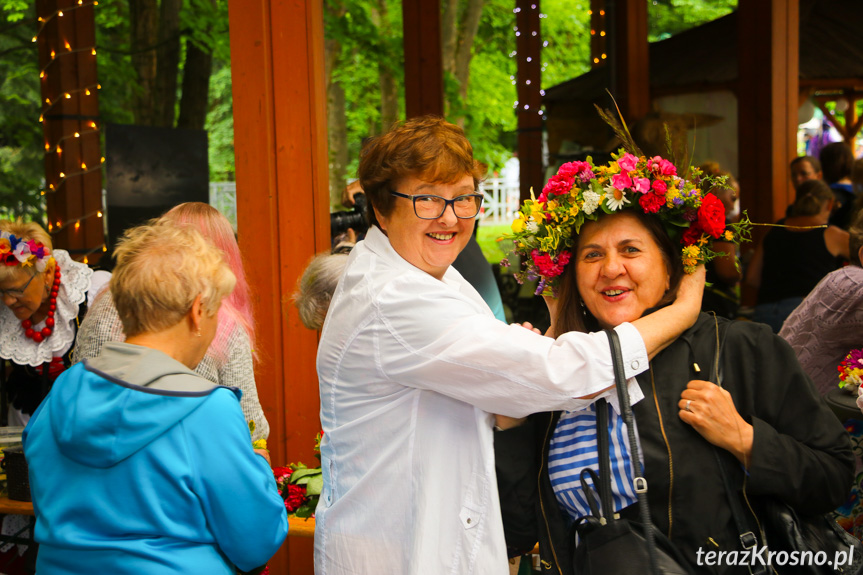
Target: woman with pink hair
229, 359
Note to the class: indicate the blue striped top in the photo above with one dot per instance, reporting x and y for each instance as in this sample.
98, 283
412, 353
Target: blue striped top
574, 447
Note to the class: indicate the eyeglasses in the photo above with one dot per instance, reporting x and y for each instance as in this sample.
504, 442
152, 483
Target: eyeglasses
16, 293
430, 207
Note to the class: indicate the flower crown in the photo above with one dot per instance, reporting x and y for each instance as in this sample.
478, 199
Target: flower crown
18, 251
543, 234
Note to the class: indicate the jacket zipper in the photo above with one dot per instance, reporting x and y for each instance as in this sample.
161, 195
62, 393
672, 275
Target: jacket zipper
667, 447
541, 504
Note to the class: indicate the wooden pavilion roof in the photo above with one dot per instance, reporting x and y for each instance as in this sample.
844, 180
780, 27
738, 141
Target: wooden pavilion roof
705, 58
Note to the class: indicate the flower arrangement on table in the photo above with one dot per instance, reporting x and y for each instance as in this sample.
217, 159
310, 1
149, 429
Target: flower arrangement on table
580, 191
851, 369
300, 486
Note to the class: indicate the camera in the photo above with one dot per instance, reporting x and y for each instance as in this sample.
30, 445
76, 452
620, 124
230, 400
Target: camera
354, 219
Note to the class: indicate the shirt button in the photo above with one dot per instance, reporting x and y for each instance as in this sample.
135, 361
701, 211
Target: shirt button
635, 364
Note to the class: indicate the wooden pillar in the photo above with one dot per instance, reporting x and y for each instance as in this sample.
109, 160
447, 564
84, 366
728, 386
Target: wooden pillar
66, 42
528, 44
767, 104
630, 61
280, 141
423, 60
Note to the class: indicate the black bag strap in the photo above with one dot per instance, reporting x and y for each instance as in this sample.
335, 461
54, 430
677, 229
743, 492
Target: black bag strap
745, 535
638, 479
605, 497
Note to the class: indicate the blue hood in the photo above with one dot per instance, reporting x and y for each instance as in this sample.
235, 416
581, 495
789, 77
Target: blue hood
104, 419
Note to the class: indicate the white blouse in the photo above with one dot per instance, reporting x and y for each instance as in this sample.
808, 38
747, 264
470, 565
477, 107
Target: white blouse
411, 369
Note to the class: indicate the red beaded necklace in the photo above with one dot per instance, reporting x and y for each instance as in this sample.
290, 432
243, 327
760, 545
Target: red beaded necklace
45, 332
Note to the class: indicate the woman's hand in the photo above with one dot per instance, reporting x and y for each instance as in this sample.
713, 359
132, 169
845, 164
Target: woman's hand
710, 410
529, 326
502, 422
690, 293
265, 454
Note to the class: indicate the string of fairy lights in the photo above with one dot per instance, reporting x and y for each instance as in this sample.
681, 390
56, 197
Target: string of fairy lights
91, 128
514, 53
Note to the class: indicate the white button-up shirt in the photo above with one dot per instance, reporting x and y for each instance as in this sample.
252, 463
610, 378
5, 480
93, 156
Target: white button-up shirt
411, 369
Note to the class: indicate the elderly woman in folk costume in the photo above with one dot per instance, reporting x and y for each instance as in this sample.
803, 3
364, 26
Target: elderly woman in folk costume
629, 231
44, 294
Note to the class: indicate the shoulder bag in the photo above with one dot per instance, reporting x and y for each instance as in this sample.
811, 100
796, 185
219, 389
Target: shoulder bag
606, 543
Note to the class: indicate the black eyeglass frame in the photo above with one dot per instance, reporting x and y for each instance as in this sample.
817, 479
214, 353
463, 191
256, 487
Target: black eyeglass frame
17, 293
447, 203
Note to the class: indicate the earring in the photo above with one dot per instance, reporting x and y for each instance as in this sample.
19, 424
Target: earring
198, 333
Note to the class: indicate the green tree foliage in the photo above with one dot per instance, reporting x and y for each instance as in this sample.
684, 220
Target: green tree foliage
666, 18
21, 147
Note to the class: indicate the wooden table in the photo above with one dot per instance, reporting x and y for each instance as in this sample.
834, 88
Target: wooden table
9, 507
301, 527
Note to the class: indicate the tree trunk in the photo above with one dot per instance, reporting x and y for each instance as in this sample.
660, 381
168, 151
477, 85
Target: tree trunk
144, 17
464, 52
449, 35
168, 63
196, 87
337, 124
387, 82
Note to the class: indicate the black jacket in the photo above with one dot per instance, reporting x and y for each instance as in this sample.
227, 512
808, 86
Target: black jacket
801, 453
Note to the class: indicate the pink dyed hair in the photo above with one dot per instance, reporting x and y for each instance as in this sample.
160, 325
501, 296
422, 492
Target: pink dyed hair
237, 307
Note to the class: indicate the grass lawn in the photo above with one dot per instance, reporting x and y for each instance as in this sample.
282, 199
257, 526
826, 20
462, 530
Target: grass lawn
486, 239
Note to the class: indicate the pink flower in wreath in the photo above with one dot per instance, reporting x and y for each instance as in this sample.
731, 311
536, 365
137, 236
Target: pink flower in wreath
660, 187
627, 163
621, 182
666, 168
641, 185
557, 185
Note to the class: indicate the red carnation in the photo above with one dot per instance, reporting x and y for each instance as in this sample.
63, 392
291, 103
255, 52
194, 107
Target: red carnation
294, 497
692, 234
711, 215
651, 202
660, 187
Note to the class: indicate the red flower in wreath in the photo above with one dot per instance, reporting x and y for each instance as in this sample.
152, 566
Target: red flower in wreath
692, 234
711, 215
651, 203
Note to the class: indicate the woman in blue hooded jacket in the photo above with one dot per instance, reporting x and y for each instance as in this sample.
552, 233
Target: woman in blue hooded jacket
137, 464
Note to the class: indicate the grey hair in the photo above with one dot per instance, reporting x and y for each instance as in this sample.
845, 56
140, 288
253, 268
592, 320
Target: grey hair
316, 286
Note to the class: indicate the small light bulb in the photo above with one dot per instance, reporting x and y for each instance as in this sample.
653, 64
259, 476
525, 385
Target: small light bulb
62, 175
86, 261
59, 150
93, 51
42, 193
68, 47
47, 146
77, 225
60, 13
42, 74
99, 214
67, 95
602, 12
77, 135
34, 39
59, 224
83, 166
50, 225
602, 33
48, 101
53, 53
103, 160
87, 92
104, 248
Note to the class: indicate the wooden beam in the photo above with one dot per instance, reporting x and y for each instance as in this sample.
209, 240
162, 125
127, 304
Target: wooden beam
629, 58
280, 141
66, 42
423, 59
528, 44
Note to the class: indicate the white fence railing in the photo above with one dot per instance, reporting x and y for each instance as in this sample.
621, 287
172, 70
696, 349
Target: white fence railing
499, 206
